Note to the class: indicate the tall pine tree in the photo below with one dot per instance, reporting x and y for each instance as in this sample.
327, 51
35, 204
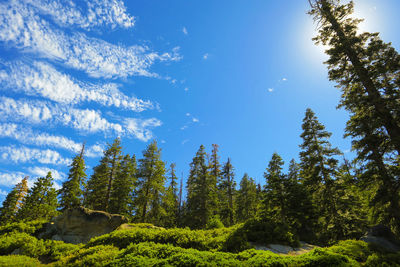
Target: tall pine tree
170, 201
318, 170
13, 202
150, 186
123, 187
247, 201
100, 184
71, 193
201, 199
41, 201
367, 71
227, 188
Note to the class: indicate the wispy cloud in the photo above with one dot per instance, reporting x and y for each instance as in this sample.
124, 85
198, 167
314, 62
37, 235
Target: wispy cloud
87, 120
184, 141
43, 80
140, 128
184, 127
186, 89
26, 135
185, 31
3, 193
205, 56
20, 27
195, 119
110, 13
270, 90
284, 79
9, 179
42, 172
24, 154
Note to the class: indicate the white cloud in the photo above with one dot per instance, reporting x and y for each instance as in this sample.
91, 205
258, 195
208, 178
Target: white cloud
10, 179
43, 80
42, 172
195, 120
205, 56
20, 27
284, 79
270, 90
184, 127
163, 141
184, 30
25, 135
110, 13
185, 141
186, 89
188, 114
25, 154
87, 120
139, 127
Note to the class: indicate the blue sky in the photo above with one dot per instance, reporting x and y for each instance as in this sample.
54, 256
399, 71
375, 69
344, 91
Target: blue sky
239, 74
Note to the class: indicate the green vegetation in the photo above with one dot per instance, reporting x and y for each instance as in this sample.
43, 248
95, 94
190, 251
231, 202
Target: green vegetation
143, 245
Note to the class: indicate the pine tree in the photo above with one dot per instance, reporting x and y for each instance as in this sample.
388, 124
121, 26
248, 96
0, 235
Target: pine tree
13, 202
41, 201
123, 187
200, 186
170, 202
318, 170
150, 186
247, 202
366, 69
301, 216
71, 193
275, 192
227, 190
100, 184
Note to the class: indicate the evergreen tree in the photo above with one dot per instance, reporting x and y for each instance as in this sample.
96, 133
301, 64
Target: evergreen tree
41, 201
227, 190
299, 208
366, 69
150, 186
318, 170
71, 193
247, 202
123, 187
171, 202
13, 202
200, 192
275, 192
100, 184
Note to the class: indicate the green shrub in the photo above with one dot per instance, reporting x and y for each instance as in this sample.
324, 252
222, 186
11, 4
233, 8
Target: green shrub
94, 256
18, 260
214, 223
23, 227
23, 244
259, 231
198, 239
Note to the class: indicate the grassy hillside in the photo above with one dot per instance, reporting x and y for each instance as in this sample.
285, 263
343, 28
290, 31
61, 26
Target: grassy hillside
143, 245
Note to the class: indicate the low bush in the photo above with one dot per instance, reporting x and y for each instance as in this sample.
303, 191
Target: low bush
259, 231
23, 227
185, 238
18, 260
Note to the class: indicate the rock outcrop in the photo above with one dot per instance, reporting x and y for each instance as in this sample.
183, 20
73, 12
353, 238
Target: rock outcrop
382, 236
79, 225
285, 250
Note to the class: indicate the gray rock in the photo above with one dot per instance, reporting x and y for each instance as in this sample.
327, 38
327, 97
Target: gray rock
80, 225
382, 236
